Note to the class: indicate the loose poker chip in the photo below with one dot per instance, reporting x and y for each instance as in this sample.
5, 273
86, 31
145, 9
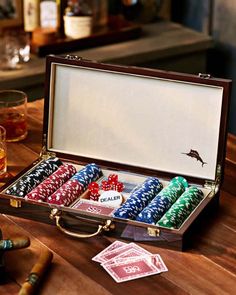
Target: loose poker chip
30, 180
139, 199
182, 208
52, 183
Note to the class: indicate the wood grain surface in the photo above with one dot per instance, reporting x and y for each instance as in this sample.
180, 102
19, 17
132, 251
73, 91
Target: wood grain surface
207, 267
230, 167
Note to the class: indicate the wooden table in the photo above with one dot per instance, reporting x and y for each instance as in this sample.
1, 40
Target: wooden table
208, 267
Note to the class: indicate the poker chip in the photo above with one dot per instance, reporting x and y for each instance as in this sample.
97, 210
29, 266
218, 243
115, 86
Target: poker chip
163, 201
180, 179
182, 208
76, 185
111, 198
34, 177
139, 199
88, 174
67, 193
52, 183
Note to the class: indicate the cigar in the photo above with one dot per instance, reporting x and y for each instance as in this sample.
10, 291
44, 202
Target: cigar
17, 243
36, 274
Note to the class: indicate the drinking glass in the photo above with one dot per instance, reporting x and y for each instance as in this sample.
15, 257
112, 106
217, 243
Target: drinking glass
15, 49
3, 151
13, 114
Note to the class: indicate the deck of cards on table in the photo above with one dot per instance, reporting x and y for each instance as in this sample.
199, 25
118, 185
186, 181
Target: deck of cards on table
125, 262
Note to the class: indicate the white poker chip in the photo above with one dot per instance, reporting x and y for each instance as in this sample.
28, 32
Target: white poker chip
111, 198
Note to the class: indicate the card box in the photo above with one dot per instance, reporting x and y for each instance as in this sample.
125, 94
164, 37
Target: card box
135, 122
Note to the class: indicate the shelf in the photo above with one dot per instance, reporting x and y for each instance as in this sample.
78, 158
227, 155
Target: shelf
103, 36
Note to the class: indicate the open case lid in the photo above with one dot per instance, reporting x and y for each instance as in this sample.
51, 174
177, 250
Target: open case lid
135, 119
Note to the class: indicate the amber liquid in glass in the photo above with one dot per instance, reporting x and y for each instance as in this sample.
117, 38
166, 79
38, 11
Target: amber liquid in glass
15, 125
3, 161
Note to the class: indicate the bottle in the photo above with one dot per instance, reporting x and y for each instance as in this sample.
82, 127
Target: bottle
78, 8
78, 19
48, 14
51, 14
31, 15
100, 12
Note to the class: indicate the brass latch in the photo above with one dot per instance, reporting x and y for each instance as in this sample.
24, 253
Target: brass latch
153, 232
15, 203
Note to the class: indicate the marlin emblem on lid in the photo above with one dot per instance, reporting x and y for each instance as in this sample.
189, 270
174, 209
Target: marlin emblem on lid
195, 154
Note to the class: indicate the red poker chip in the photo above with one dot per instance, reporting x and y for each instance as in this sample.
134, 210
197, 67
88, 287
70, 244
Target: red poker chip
52, 183
35, 196
67, 193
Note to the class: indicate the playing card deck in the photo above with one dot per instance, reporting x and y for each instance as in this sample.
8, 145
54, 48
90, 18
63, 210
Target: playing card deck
125, 262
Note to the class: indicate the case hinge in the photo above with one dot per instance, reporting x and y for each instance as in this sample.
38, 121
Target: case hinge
211, 185
204, 76
73, 57
214, 185
44, 154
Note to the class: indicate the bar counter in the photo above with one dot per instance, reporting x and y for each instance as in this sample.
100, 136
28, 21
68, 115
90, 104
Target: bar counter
164, 45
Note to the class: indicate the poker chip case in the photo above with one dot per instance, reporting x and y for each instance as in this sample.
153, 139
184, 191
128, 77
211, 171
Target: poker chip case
138, 124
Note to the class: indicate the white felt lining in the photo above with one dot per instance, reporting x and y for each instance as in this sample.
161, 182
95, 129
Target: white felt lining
135, 120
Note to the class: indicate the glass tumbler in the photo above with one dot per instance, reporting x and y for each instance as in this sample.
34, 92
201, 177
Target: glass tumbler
13, 114
3, 151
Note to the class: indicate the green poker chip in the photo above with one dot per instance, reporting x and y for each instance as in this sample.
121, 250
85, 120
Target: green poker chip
182, 208
180, 179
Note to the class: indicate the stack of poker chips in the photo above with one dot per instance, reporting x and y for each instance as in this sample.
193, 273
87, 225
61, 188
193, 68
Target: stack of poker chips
34, 177
139, 199
163, 201
52, 183
182, 208
75, 186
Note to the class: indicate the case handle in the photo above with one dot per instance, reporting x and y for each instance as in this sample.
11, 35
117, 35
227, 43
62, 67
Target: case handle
56, 214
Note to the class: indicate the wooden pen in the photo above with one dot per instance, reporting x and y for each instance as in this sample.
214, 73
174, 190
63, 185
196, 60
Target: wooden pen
16, 243
36, 274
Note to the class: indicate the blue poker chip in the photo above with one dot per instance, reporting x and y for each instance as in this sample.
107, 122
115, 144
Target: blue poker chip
155, 210
139, 199
88, 174
163, 201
